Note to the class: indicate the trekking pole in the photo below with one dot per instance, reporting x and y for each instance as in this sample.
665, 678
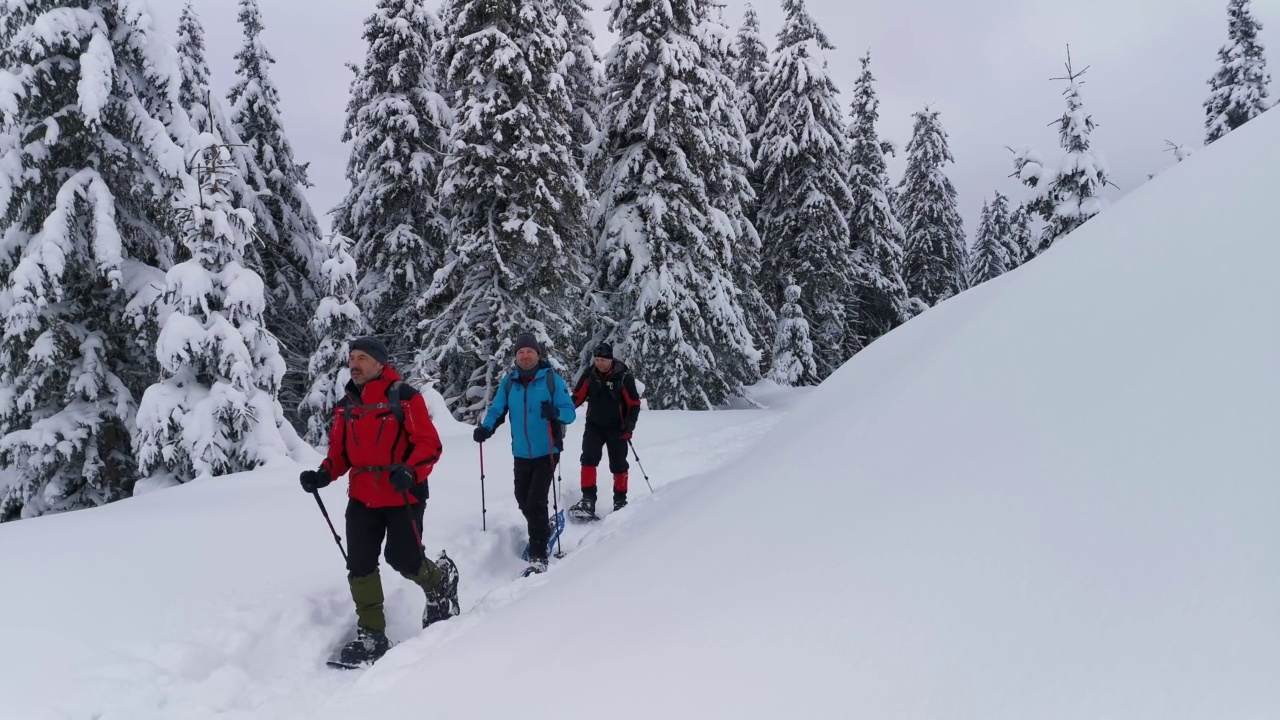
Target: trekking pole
413, 523
325, 512
646, 477
484, 511
555, 497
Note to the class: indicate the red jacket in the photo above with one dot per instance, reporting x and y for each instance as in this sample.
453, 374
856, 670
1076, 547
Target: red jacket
367, 440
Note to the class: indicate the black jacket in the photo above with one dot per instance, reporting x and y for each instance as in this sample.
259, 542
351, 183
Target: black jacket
613, 401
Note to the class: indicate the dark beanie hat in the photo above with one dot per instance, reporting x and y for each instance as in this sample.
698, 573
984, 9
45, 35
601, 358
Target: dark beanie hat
527, 340
604, 350
373, 347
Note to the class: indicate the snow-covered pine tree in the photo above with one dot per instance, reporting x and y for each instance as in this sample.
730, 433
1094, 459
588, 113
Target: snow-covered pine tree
876, 236
1025, 241
805, 201
215, 410
670, 211
1067, 197
208, 115
88, 166
397, 124
936, 254
750, 67
793, 363
581, 72
584, 78
338, 319
194, 66
1238, 89
733, 190
440, 44
895, 202
989, 259
515, 198
290, 253
1003, 219
748, 62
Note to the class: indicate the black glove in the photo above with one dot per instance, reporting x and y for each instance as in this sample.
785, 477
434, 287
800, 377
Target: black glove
402, 479
481, 434
313, 480
549, 411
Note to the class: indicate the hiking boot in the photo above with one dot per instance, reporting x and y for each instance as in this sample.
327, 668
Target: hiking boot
584, 510
368, 647
442, 599
619, 501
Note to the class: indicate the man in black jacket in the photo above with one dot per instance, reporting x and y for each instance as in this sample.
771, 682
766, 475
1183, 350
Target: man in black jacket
609, 388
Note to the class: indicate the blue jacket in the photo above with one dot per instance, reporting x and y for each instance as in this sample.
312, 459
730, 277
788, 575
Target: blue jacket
530, 433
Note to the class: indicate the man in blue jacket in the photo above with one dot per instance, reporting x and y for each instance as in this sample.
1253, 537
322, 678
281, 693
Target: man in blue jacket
539, 403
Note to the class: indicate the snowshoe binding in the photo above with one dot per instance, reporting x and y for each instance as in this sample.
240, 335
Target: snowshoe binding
537, 566
556, 522
619, 501
584, 511
368, 647
442, 602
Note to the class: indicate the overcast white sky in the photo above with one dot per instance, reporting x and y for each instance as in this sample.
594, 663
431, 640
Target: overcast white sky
985, 64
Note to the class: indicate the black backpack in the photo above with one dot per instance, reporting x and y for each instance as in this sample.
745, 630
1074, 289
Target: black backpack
393, 400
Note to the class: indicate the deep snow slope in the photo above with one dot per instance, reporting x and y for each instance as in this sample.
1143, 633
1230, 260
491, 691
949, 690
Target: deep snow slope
1051, 498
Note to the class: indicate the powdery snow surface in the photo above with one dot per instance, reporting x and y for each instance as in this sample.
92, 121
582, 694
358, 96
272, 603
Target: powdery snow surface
1052, 497
223, 598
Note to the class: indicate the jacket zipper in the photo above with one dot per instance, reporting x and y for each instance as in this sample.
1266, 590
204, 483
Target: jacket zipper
351, 420
527, 442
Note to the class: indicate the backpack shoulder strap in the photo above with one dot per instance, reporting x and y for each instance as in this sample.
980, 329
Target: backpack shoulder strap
398, 392
345, 405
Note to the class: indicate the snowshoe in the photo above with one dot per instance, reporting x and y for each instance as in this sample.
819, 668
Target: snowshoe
584, 511
442, 603
619, 501
557, 526
368, 647
537, 566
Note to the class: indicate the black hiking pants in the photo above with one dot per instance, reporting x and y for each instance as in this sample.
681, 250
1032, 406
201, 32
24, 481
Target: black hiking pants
595, 439
366, 529
533, 485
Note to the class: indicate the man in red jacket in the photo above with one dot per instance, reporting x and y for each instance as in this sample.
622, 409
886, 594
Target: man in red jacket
389, 452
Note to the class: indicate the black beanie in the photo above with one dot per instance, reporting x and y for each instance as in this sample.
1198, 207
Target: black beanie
604, 350
527, 340
373, 347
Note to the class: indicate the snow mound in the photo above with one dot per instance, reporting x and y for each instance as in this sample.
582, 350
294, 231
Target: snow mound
444, 421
